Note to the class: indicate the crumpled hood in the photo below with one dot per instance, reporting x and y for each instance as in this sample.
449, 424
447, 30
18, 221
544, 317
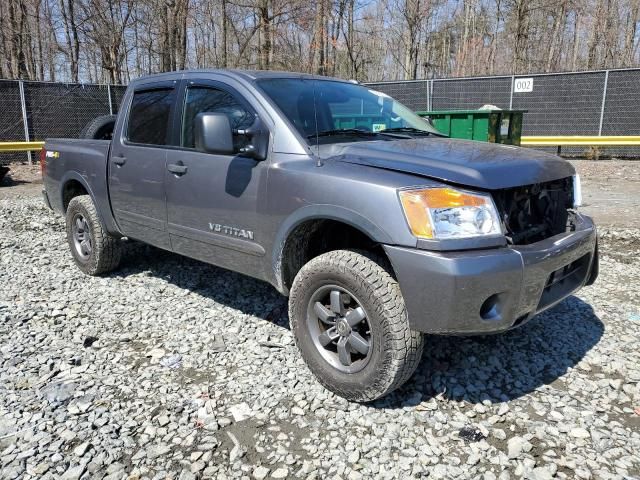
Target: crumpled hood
476, 164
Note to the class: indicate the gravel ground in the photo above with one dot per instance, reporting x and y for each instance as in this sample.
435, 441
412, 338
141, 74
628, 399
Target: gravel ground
172, 368
611, 191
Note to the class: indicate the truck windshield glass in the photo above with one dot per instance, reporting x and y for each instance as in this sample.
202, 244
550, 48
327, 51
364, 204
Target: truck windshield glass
329, 111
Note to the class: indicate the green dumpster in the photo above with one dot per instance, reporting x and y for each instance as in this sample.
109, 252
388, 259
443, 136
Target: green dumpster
495, 126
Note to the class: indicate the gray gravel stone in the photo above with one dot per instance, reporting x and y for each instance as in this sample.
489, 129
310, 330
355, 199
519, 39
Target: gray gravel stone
158, 451
81, 449
579, 433
260, 473
516, 446
281, 472
73, 473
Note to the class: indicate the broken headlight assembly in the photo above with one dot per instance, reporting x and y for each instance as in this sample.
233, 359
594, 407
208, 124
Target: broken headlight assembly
443, 213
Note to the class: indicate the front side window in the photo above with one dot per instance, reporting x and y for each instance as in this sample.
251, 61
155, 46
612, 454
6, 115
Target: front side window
149, 116
330, 111
213, 100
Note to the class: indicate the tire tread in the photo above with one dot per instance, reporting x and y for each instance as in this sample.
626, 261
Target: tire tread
107, 251
375, 276
90, 130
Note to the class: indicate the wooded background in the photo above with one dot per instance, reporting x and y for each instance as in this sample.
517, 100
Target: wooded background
109, 41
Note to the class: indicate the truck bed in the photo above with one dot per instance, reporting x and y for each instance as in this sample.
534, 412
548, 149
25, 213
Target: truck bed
83, 160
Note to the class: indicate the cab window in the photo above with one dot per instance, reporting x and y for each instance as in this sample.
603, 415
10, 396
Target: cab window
214, 100
149, 116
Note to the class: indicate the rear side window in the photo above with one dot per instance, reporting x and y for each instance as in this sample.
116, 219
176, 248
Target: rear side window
149, 116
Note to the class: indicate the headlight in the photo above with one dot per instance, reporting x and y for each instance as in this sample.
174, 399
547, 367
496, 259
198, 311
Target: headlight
444, 213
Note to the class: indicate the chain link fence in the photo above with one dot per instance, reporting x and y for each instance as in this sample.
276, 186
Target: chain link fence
12, 124
603, 102
31, 111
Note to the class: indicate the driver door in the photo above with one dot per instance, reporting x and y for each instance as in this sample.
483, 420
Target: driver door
212, 205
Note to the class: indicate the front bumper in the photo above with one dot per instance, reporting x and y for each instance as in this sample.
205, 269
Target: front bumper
484, 291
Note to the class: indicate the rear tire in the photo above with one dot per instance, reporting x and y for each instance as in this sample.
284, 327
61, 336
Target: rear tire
100, 128
94, 251
362, 281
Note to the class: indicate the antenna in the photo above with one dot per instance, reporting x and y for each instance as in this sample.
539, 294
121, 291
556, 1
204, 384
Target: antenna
315, 119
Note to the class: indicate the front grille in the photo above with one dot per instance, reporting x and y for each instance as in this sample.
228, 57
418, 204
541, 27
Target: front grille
534, 212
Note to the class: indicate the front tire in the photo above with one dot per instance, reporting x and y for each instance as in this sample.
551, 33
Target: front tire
350, 323
94, 251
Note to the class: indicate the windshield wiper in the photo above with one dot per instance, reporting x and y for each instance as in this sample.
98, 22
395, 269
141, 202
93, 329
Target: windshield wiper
343, 131
409, 130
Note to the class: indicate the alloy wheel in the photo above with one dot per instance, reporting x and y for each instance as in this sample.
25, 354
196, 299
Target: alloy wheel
82, 237
339, 328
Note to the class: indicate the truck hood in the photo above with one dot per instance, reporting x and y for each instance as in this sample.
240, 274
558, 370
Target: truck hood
476, 164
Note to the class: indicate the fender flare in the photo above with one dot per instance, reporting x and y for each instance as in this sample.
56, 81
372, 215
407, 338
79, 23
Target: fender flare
320, 212
77, 176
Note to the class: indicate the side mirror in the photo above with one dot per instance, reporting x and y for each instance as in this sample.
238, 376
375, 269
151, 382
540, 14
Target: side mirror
212, 132
258, 136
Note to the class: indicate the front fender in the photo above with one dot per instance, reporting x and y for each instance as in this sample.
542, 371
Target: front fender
321, 212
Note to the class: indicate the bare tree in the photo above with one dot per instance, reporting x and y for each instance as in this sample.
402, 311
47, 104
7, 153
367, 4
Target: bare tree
114, 40
72, 50
106, 22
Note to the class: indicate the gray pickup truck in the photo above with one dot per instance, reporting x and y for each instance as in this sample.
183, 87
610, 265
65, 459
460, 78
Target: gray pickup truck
377, 227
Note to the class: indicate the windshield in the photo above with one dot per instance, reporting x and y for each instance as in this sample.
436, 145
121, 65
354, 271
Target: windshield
342, 111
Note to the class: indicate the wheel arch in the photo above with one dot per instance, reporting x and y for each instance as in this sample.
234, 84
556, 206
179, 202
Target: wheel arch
73, 184
303, 236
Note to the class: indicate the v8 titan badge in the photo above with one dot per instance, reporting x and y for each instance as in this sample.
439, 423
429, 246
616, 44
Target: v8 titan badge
231, 231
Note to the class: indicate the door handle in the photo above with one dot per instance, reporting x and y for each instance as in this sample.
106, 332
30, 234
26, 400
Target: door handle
177, 168
119, 161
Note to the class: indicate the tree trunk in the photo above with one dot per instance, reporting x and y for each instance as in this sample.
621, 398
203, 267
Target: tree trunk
594, 40
556, 35
224, 34
521, 36
320, 37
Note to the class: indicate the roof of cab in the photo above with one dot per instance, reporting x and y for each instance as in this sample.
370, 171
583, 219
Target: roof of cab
250, 75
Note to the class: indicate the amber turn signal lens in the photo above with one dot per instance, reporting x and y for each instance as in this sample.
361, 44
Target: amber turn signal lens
450, 198
428, 215
416, 211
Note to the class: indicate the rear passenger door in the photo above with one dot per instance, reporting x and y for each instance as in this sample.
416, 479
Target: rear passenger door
137, 164
212, 206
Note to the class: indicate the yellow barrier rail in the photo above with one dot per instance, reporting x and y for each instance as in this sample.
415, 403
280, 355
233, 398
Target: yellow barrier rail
580, 140
21, 146
528, 141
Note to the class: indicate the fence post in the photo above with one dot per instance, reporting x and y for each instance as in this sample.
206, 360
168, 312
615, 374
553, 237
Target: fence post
428, 95
25, 121
430, 102
513, 79
110, 102
604, 100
